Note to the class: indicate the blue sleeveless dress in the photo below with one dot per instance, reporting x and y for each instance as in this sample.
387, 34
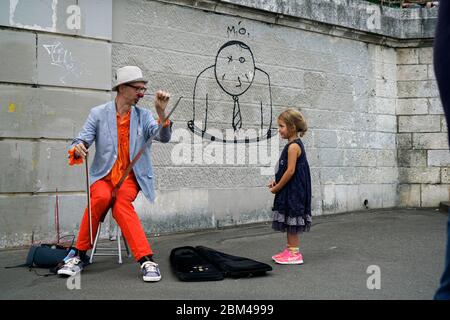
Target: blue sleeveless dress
292, 204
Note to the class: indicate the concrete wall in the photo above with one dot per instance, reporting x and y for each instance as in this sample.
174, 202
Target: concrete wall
361, 74
422, 131
349, 14
55, 59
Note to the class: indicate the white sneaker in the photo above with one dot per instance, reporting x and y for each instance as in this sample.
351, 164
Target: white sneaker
71, 267
150, 271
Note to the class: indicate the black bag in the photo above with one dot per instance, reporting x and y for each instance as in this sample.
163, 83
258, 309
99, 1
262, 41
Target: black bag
46, 255
234, 266
188, 265
206, 264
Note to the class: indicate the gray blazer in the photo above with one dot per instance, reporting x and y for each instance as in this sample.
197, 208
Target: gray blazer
101, 128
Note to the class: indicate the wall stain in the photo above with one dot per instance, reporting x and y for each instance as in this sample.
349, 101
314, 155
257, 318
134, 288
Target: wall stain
11, 108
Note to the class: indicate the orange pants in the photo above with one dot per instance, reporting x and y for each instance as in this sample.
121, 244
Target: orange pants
123, 212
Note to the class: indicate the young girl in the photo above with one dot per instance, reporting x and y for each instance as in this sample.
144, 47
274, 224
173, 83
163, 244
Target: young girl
292, 187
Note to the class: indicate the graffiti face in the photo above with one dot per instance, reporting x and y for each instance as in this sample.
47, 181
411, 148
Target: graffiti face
234, 70
235, 67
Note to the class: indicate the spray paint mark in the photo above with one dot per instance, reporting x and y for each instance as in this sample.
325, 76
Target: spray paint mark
63, 58
11, 107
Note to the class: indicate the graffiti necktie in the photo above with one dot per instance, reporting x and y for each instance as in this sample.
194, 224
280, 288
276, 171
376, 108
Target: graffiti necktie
237, 119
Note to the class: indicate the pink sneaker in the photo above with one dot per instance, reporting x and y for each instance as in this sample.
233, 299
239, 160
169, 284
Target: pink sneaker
290, 258
282, 253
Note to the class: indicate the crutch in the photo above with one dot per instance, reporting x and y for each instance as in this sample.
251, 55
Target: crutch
88, 192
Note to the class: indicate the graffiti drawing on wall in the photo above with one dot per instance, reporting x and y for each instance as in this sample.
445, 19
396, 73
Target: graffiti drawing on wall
62, 58
232, 100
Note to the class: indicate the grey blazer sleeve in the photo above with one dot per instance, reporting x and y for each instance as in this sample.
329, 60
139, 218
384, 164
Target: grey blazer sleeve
150, 127
87, 134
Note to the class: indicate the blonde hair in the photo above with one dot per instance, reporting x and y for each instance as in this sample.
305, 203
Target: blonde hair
294, 120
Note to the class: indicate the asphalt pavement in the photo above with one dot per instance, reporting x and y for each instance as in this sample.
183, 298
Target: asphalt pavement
375, 254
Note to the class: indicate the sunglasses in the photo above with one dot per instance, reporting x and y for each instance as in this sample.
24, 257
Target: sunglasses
138, 89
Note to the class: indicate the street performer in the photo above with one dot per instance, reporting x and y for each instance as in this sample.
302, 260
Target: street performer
119, 129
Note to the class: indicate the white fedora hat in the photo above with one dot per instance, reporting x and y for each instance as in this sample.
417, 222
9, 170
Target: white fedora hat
128, 74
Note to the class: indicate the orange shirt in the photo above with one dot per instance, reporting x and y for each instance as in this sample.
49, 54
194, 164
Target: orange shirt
123, 157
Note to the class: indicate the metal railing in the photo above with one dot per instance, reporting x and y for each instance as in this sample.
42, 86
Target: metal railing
404, 3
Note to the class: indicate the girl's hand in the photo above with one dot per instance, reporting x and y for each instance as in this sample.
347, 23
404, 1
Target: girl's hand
274, 190
272, 184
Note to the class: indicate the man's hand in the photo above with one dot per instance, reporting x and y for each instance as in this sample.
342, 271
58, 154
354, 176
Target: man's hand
161, 101
80, 150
